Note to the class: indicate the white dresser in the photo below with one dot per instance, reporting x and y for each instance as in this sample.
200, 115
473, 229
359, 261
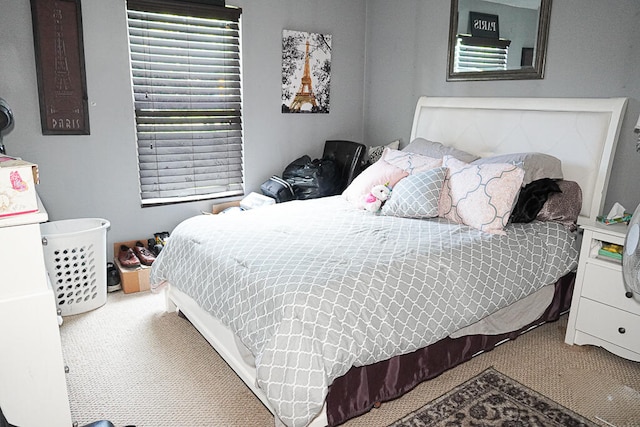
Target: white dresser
603, 312
33, 388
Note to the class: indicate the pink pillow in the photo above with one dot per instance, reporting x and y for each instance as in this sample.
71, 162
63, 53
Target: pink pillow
381, 172
480, 196
411, 163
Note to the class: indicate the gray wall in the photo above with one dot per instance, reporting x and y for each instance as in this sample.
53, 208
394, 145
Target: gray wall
96, 175
594, 51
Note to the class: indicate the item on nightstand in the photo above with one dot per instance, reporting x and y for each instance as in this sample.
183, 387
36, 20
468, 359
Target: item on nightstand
611, 251
616, 215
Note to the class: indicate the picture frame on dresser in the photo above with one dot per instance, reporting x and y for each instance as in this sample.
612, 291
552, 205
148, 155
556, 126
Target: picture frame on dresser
603, 312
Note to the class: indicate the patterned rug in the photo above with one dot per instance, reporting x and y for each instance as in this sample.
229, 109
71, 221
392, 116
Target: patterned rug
492, 399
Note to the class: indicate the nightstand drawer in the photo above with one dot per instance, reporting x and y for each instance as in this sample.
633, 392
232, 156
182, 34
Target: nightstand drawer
606, 285
610, 324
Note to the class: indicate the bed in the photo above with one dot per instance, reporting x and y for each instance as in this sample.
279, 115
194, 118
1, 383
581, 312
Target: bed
325, 309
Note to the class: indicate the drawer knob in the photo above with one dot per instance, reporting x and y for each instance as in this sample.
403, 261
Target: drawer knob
628, 294
622, 330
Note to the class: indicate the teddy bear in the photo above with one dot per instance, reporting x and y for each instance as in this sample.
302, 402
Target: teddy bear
378, 195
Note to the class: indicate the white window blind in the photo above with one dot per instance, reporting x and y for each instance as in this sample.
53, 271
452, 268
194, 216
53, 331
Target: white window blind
475, 54
186, 77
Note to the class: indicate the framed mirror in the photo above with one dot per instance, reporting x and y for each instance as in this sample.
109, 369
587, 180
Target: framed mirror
498, 39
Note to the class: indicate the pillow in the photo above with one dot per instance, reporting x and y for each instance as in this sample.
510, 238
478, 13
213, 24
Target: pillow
480, 196
411, 162
563, 207
381, 172
436, 149
375, 153
532, 198
536, 165
416, 196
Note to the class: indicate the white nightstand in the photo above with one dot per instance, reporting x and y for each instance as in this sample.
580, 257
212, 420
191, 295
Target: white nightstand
603, 312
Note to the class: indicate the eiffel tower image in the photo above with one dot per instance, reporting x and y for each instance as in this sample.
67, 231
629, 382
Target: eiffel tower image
62, 80
305, 93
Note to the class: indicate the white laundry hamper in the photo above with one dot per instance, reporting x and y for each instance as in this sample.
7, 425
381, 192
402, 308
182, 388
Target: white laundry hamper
75, 255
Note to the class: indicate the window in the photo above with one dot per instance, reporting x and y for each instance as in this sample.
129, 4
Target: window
480, 54
185, 67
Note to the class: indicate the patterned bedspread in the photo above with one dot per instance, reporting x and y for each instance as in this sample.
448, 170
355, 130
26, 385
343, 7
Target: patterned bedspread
315, 287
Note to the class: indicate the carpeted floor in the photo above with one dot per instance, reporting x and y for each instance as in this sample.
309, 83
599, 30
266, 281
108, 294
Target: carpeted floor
134, 364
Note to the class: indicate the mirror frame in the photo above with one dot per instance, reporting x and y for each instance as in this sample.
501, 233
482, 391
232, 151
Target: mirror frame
536, 72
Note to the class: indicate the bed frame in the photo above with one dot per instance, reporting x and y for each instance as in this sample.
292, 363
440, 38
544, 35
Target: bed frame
581, 132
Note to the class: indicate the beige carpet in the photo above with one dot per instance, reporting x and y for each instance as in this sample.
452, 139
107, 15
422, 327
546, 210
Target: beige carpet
134, 364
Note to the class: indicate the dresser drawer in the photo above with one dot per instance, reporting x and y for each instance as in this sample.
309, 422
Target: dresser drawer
610, 324
606, 285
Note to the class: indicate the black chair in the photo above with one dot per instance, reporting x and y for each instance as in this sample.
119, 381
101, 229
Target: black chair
349, 156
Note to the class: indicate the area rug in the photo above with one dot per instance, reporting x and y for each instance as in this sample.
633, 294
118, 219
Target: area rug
492, 399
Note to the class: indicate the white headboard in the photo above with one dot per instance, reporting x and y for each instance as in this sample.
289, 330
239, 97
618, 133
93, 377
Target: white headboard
581, 132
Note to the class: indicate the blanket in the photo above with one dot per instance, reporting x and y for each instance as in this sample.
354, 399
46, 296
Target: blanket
315, 287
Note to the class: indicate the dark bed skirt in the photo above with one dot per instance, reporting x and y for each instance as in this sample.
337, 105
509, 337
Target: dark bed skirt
362, 388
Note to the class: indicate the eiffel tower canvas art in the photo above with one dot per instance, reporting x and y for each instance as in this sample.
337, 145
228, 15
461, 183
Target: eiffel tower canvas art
306, 72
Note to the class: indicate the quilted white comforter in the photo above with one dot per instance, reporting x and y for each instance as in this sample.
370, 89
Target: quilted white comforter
315, 287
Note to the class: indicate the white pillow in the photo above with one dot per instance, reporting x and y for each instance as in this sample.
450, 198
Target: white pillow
411, 163
480, 196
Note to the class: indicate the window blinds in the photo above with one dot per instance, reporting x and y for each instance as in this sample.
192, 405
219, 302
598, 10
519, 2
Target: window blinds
185, 65
483, 56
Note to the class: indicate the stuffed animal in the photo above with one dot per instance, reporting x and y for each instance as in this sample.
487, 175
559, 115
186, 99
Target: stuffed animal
378, 195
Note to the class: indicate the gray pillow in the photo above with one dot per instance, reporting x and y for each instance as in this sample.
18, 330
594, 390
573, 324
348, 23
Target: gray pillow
416, 196
438, 150
563, 207
536, 165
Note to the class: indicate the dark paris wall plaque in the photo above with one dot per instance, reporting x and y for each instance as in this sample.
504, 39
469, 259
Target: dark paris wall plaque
57, 33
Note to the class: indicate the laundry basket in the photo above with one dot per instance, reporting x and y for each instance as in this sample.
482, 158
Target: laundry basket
75, 255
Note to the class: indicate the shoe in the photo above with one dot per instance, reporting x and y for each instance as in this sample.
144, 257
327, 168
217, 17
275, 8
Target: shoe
144, 255
113, 278
127, 258
157, 249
